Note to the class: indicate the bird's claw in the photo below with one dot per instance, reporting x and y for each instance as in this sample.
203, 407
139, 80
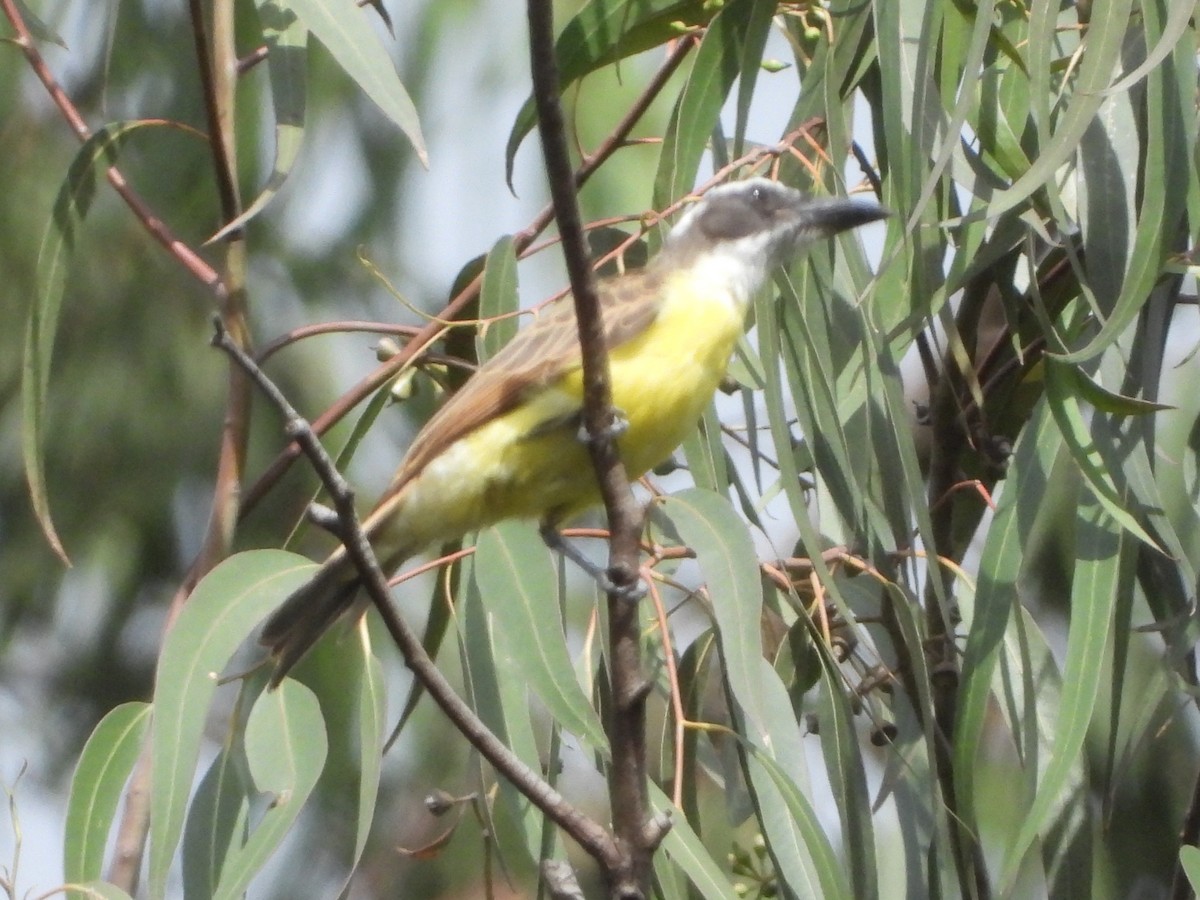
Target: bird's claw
617, 427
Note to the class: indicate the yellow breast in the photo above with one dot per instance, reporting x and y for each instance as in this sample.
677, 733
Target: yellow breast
515, 466
663, 380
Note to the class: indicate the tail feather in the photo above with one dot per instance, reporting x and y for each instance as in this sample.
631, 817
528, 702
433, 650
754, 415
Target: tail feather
308, 613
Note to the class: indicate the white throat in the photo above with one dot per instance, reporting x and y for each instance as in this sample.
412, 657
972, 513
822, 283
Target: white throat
736, 270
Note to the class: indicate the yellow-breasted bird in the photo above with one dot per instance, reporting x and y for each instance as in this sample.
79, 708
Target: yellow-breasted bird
507, 444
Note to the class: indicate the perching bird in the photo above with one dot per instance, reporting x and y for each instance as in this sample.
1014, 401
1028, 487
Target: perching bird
507, 444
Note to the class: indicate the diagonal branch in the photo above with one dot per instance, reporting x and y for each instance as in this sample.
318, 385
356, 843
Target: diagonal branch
150, 220
589, 834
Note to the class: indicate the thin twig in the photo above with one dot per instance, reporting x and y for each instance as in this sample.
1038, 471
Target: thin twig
589, 834
154, 225
676, 695
340, 327
217, 65
216, 61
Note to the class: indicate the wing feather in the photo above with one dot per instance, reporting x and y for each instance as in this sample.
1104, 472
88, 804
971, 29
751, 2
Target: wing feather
538, 356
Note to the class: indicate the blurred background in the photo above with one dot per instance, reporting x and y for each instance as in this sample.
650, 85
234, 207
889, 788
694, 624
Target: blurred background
136, 392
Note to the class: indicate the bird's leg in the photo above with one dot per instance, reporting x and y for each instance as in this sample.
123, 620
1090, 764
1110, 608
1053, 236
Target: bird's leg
555, 541
553, 537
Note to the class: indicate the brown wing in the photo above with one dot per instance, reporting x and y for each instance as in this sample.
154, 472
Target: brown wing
536, 357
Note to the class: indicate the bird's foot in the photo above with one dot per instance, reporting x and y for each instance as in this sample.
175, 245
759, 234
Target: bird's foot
617, 427
631, 592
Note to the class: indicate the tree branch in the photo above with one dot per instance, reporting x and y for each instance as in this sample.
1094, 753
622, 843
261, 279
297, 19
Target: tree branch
637, 834
589, 834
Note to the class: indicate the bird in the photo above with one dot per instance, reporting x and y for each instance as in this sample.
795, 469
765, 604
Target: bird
508, 443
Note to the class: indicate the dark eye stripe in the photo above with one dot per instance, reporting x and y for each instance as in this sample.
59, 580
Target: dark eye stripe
730, 215
733, 219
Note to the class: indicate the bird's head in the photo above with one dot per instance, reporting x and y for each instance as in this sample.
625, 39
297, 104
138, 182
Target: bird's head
744, 230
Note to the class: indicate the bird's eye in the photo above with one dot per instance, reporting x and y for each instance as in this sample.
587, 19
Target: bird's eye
757, 196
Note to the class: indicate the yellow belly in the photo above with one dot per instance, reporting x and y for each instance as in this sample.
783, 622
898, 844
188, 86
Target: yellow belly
662, 381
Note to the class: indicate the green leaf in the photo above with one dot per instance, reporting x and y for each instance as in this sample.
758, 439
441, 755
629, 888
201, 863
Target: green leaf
496, 686
724, 550
699, 106
1141, 186
1000, 41
436, 626
694, 670
797, 821
1101, 51
372, 723
758, 26
100, 890
972, 68
1106, 177
1150, 490
351, 690
498, 299
1029, 690
216, 823
285, 751
704, 453
1102, 553
97, 786
344, 30
669, 880
1178, 20
776, 397
996, 597
285, 38
688, 852
39, 29
58, 241
516, 580
1065, 408
908, 113
223, 610
1189, 858
848, 780
806, 323
602, 33
707, 524
1087, 388
348, 680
